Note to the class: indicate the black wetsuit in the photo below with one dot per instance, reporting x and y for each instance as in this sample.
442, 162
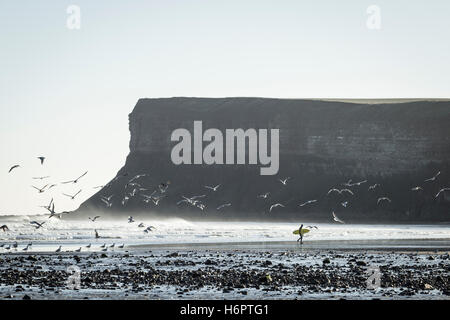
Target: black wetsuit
300, 234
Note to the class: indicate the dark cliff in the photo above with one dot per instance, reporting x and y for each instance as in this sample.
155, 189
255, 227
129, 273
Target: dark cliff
322, 145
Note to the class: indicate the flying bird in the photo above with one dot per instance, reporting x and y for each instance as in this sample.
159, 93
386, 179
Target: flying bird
433, 177
335, 218
284, 182
223, 206
4, 228
306, 203
341, 191
130, 219
149, 228
94, 218
40, 178
372, 187
275, 205
13, 167
72, 196
416, 188
345, 204
36, 224
264, 195
442, 191
76, 180
213, 188
41, 159
40, 190
383, 199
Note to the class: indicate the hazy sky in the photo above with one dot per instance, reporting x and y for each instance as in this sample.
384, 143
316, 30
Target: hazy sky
66, 94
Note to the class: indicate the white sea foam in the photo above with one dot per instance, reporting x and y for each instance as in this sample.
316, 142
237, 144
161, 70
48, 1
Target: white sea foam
179, 231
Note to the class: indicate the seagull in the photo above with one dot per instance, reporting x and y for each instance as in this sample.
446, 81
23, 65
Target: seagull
307, 202
149, 228
112, 246
335, 218
78, 250
284, 182
372, 187
442, 191
4, 228
121, 246
41, 159
223, 206
213, 188
310, 227
130, 219
339, 191
40, 178
434, 177
13, 167
76, 180
163, 187
275, 205
59, 249
125, 200
416, 188
26, 248
88, 246
137, 177
202, 207
347, 184
383, 199
72, 197
40, 190
52, 211
51, 186
357, 183
96, 234
37, 224
108, 204
105, 249
344, 204
94, 218
103, 245
264, 196
141, 225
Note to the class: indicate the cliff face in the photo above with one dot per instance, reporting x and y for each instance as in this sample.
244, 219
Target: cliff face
322, 144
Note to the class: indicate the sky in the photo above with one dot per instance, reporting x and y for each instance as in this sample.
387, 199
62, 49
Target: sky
66, 93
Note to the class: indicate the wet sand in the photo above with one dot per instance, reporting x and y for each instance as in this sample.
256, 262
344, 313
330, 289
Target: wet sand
406, 269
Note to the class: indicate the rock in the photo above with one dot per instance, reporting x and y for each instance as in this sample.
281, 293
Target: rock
361, 263
428, 286
326, 260
319, 142
26, 297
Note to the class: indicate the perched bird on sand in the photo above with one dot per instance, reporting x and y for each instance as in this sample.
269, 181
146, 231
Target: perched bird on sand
59, 249
96, 234
94, 218
103, 245
335, 218
383, 199
284, 182
78, 250
72, 196
275, 205
306, 203
4, 228
433, 177
213, 188
121, 246
41, 159
26, 248
113, 245
76, 180
442, 191
223, 206
88, 246
13, 167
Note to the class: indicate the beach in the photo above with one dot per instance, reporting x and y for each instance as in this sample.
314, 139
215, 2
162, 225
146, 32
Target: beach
407, 270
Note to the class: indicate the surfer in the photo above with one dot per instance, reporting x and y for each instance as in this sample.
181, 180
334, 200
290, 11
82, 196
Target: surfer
300, 234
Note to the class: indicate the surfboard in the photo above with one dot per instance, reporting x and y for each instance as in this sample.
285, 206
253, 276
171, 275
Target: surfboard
303, 231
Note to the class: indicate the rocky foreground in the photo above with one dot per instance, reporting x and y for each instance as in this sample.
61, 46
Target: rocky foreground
226, 274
